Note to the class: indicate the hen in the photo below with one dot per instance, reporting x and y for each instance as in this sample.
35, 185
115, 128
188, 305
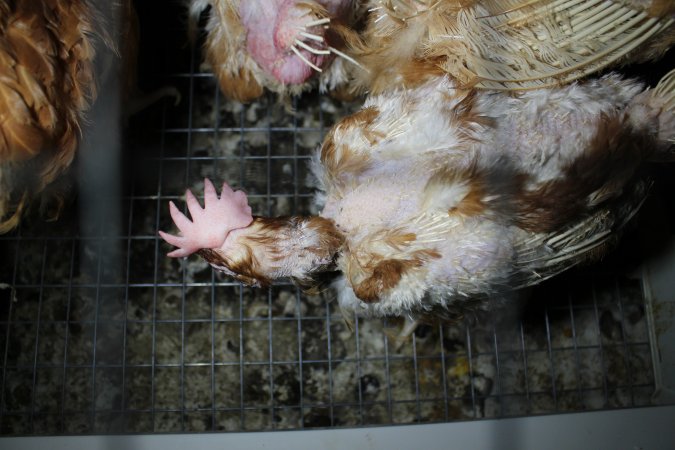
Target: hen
383, 44
53, 54
278, 44
504, 44
437, 197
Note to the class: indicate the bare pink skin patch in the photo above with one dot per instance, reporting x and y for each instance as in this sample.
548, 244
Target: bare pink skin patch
287, 39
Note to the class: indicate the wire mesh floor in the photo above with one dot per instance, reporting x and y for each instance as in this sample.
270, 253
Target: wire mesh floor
101, 333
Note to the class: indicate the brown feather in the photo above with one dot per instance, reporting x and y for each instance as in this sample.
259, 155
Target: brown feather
487, 44
661, 8
47, 83
267, 238
555, 203
225, 51
384, 275
342, 160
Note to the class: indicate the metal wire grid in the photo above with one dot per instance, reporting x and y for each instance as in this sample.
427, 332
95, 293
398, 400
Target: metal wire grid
100, 334
51, 408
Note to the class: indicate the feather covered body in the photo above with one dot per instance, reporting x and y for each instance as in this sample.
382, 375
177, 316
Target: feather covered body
438, 197
479, 163
506, 44
48, 79
252, 45
437, 190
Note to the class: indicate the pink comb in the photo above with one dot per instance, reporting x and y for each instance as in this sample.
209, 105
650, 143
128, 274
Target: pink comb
209, 226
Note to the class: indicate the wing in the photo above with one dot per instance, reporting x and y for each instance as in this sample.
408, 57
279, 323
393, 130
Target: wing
509, 44
542, 256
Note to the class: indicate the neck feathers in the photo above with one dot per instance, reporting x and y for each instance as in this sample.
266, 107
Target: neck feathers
269, 248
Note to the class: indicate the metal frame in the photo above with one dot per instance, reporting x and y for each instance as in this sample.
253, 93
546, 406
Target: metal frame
648, 428
659, 287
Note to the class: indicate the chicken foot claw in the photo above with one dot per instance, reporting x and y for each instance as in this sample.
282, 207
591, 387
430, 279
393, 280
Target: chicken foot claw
210, 225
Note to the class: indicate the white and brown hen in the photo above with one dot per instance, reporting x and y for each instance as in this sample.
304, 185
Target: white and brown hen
437, 196
284, 45
448, 188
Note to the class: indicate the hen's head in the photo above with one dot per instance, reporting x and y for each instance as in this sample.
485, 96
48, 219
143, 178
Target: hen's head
255, 250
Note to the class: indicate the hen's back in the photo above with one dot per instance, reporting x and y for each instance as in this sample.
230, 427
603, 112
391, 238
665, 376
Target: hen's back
47, 82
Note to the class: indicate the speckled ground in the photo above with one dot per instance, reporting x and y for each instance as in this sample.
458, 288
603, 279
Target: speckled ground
100, 332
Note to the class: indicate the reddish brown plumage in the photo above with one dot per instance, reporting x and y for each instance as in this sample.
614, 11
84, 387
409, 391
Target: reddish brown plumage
42, 79
238, 83
338, 158
321, 241
372, 281
48, 80
661, 8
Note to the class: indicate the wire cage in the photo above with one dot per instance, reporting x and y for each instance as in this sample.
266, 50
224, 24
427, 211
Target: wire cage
101, 333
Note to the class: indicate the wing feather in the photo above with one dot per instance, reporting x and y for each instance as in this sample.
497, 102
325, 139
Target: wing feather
542, 256
511, 45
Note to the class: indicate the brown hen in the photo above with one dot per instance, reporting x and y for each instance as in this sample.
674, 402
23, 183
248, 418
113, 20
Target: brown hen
53, 56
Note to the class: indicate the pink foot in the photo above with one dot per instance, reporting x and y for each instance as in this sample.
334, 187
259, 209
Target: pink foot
210, 225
